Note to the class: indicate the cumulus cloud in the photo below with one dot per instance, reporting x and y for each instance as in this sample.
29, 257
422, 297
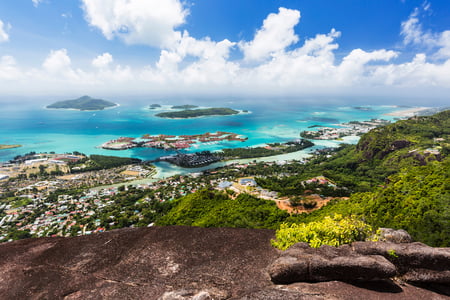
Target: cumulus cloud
103, 60
4, 37
150, 22
275, 61
8, 68
57, 61
36, 2
276, 34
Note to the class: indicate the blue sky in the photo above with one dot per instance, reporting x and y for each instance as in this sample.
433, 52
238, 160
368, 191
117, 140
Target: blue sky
279, 48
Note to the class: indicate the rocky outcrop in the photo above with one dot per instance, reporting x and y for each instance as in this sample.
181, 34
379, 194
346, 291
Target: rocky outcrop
364, 261
174, 262
302, 263
415, 262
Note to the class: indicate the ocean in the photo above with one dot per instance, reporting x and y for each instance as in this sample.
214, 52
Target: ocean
62, 131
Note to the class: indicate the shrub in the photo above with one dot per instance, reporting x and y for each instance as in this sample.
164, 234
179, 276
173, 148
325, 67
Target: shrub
333, 231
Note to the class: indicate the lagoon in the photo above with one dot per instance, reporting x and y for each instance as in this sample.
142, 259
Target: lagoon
62, 131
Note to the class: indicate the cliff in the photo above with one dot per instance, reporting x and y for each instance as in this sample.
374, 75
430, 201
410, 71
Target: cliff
168, 263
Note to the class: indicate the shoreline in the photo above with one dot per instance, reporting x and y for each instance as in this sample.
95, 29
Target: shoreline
404, 113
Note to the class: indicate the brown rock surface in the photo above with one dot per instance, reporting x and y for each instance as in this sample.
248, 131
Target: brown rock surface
166, 263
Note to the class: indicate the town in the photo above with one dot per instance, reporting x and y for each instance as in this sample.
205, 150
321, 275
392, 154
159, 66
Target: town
353, 128
88, 202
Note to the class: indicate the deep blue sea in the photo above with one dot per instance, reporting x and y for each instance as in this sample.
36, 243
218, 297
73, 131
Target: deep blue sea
42, 130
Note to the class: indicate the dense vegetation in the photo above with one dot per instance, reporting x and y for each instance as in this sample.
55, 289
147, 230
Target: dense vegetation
415, 199
332, 231
217, 209
273, 149
186, 106
82, 103
193, 113
102, 162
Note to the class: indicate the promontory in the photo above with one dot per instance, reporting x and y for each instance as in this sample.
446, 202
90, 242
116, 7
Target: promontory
83, 103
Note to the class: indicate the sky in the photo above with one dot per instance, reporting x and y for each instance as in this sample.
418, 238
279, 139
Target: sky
390, 49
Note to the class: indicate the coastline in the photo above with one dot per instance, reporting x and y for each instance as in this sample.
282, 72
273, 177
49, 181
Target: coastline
404, 113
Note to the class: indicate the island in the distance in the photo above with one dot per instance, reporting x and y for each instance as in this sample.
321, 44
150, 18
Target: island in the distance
194, 113
186, 106
2, 147
83, 103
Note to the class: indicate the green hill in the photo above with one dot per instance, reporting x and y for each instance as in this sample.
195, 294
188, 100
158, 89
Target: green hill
83, 103
403, 169
216, 209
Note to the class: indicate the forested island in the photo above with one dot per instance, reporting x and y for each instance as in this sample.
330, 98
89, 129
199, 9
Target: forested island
194, 113
84, 103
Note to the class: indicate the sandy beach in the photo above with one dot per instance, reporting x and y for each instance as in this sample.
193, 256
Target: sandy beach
407, 112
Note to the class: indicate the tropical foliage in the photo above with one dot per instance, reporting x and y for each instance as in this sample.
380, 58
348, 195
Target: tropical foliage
332, 231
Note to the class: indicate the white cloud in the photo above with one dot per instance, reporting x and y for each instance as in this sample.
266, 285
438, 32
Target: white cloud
272, 65
103, 60
57, 61
276, 34
444, 44
4, 37
150, 22
8, 68
36, 2
412, 31
58, 66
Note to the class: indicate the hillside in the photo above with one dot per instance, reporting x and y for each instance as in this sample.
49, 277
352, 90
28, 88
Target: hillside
83, 103
401, 170
167, 263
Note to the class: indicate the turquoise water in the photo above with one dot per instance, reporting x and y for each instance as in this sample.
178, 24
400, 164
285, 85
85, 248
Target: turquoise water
61, 131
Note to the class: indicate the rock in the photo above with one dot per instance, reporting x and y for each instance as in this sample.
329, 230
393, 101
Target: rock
178, 262
395, 236
427, 276
351, 268
327, 263
189, 295
288, 269
407, 256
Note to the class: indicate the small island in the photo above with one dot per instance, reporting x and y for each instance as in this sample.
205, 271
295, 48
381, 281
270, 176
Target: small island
187, 106
154, 106
194, 113
84, 103
171, 142
2, 147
